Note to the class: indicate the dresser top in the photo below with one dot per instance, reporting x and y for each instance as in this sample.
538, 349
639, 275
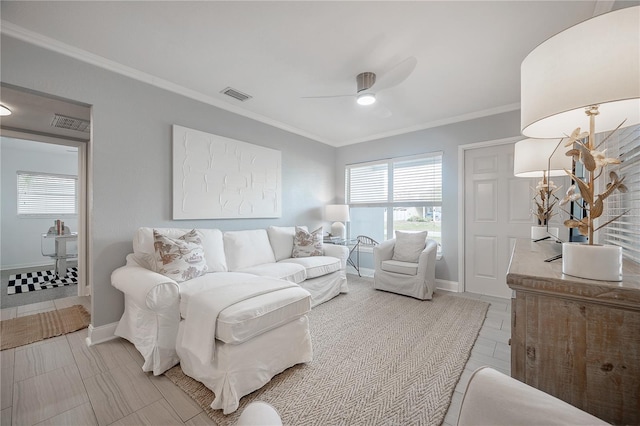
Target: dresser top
528, 271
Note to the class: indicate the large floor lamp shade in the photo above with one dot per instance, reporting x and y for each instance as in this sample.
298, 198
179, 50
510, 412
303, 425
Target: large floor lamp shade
338, 214
595, 63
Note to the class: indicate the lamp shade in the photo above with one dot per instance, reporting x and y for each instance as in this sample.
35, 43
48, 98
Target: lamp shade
337, 213
596, 62
532, 157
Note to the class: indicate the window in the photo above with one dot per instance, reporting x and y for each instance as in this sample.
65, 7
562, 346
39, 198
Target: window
624, 231
47, 194
395, 194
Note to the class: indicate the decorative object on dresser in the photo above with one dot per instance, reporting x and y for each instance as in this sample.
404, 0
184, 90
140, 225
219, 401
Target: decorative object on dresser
337, 213
587, 70
574, 338
541, 158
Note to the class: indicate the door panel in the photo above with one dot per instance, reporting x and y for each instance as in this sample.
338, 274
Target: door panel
497, 212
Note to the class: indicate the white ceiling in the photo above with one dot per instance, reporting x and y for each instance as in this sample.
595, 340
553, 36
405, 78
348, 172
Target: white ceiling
468, 54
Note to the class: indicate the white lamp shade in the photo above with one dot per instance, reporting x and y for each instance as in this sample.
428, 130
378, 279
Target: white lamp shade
532, 157
337, 213
596, 62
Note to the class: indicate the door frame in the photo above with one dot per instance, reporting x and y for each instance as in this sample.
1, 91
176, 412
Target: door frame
84, 196
462, 285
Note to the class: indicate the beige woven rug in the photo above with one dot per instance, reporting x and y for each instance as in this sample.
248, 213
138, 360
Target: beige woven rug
379, 358
33, 328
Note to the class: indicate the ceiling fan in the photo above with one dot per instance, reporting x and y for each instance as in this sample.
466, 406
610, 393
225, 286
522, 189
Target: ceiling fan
368, 84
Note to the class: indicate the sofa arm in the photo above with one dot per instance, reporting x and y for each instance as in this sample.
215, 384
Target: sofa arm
335, 250
493, 398
145, 287
382, 252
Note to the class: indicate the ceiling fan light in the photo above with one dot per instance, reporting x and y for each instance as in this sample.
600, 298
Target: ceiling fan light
4, 110
366, 99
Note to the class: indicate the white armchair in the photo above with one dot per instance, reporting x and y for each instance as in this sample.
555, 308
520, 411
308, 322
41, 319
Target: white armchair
410, 279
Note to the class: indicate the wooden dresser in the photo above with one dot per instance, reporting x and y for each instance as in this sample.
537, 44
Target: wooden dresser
576, 339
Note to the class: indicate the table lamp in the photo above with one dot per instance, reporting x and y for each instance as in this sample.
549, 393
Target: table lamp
337, 213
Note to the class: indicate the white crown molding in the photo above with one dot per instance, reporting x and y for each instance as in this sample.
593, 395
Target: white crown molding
49, 43
438, 123
21, 33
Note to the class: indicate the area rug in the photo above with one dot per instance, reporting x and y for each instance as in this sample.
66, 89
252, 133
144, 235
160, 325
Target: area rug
40, 280
33, 328
378, 358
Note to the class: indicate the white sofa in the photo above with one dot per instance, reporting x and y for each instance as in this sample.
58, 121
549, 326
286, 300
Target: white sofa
155, 304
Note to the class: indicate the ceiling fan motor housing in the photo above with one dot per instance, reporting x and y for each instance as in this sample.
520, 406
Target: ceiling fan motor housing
365, 80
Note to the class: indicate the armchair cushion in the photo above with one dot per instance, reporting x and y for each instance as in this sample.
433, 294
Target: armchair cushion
406, 268
316, 266
409, 245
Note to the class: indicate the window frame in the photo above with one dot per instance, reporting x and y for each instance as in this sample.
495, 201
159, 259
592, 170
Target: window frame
390, 203
40, 214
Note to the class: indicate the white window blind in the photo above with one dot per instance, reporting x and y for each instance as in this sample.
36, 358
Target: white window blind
414, 180
368, 183
625, 231
46, 194
418, 179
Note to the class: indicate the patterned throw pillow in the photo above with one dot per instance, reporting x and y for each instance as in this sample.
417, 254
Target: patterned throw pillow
306, 243
180, 259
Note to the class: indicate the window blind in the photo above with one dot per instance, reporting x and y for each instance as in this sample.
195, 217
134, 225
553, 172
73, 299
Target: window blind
48, 194
625, 231
418, 179
368, 183
415, 179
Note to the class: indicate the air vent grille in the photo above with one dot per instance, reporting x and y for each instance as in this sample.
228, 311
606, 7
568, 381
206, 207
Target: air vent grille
236, 94
64, 122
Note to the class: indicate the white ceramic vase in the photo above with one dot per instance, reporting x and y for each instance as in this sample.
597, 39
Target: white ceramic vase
594, 262
540, 231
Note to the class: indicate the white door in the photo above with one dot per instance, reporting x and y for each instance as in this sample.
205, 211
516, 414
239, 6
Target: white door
497, 212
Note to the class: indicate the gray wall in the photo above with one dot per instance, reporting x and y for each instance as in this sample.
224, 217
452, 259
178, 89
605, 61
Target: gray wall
21, 243
130, 156
445, 139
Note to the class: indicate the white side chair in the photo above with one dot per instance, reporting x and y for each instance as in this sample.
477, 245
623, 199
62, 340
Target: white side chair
259, 413
493, 398
407, 278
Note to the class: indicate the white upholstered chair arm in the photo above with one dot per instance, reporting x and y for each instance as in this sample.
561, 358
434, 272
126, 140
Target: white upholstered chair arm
145, 287
382, 252
493, 398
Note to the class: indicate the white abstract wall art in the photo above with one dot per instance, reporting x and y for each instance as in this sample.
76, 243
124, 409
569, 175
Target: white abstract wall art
220, 178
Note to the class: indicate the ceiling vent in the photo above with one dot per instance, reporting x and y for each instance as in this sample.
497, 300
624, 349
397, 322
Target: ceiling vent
236, 94
63, 122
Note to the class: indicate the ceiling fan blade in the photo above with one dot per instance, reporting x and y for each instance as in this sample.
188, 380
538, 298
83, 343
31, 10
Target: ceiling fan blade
381, 111
396, 75
327, 96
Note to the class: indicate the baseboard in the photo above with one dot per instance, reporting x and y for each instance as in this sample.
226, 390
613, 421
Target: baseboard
38, 265
445, 285
101, 334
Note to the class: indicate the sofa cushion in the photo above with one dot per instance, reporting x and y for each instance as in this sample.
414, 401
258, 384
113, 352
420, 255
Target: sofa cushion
281, 239
307, 243
406, 268
181, 258
285, 271
409, 245
316, 266
252, 317
247, 248
211, 239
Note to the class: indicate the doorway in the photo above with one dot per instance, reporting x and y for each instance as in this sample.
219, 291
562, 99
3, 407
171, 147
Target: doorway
44, 140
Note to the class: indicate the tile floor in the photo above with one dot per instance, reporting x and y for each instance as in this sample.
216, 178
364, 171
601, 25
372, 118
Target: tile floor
61, 381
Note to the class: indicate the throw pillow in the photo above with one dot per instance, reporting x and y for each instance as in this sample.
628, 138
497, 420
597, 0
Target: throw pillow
409, 245
306, 243
180, 259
